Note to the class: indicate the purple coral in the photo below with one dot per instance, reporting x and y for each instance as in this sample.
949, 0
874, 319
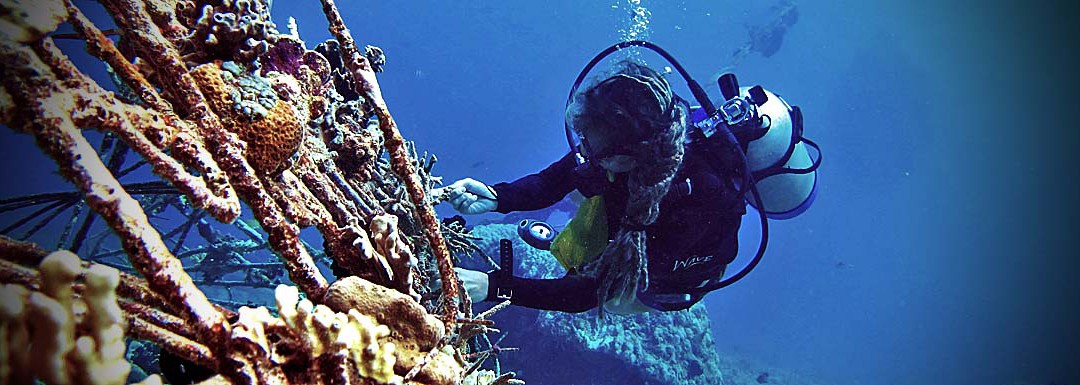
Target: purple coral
317, 63
285, 56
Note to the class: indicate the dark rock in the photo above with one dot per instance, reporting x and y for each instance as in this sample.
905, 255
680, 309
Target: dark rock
654, 348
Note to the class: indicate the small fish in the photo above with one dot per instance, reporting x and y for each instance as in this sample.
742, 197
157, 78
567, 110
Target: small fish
477, 164
252, 222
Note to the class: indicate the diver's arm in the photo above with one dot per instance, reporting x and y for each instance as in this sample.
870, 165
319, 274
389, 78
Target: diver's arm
573, 293
537, 191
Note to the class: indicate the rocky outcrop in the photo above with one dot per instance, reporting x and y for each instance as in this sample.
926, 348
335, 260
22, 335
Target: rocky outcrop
565, 348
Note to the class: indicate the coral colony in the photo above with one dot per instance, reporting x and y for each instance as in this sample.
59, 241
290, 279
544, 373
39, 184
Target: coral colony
228, 111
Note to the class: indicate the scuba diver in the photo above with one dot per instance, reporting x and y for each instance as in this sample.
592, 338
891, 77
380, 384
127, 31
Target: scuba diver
666, 187
766, 37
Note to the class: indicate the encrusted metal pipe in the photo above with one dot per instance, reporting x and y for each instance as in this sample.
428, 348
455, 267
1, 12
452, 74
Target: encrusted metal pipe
58, 136
227, 148
368, 86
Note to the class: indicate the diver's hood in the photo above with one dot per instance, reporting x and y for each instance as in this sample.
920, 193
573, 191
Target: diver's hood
637, 93
624, 106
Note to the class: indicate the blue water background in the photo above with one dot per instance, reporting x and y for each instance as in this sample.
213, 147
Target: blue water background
934, 253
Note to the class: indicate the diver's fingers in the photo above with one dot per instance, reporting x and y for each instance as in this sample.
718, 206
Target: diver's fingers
461, 184
480, 189
460, 199
463, 199
452, 191
478, 206
437, 194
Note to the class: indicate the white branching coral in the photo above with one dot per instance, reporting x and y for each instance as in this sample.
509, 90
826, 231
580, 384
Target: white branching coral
346, 346
60, 337
325, 331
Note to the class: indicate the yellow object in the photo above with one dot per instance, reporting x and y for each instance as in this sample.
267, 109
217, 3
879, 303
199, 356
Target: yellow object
585, 237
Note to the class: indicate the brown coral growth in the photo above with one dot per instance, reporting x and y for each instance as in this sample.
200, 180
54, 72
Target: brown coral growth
272, 138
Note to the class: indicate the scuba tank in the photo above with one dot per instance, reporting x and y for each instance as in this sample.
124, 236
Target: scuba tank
769, 132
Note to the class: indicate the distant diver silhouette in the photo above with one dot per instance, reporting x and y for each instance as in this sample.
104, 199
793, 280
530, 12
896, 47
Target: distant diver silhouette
767, 38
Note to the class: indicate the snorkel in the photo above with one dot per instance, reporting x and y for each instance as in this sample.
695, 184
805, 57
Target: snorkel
736, 122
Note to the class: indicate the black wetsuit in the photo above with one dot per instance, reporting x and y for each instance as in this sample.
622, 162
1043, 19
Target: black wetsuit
691, 242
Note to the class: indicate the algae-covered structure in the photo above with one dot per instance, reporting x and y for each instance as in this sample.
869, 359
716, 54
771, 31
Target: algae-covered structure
237, 120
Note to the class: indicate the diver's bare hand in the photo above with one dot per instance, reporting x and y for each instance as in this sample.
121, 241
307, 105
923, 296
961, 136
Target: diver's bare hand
474, 282
470, 196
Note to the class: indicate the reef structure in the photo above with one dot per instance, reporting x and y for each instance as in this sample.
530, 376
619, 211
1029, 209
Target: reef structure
231, 113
